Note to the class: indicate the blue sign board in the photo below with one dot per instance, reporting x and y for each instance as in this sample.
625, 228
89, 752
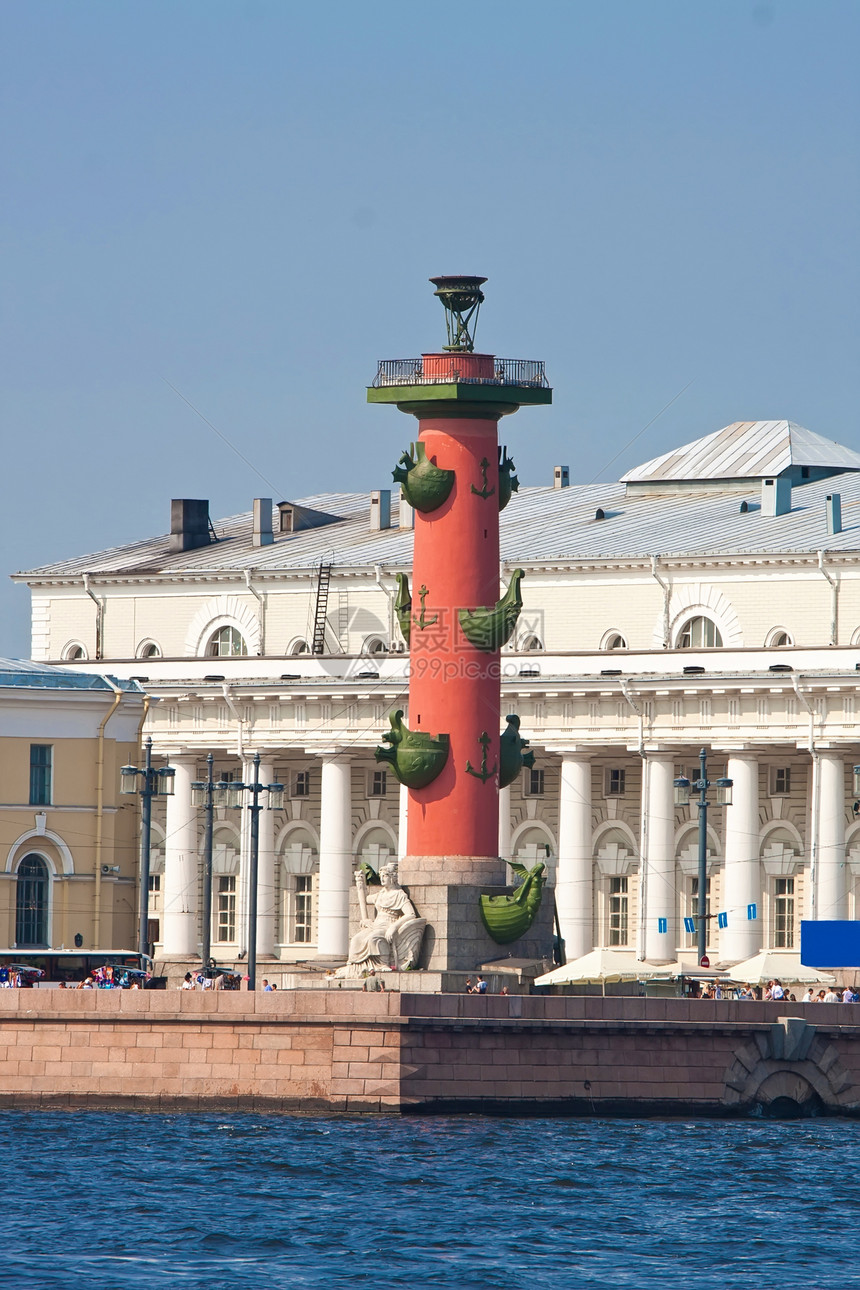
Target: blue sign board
830, 943
690, 925
662, 924
722, 920
752, 913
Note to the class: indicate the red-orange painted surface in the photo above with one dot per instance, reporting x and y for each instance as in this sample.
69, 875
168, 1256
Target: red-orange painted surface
454, 688
465, 366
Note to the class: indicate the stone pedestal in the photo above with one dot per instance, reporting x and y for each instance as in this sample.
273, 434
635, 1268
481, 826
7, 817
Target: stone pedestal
446, 891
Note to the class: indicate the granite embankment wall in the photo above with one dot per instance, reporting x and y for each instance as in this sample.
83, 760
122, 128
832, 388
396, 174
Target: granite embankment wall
350, 1051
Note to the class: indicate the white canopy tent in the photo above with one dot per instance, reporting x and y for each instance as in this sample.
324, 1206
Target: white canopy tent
777, 965
602, 965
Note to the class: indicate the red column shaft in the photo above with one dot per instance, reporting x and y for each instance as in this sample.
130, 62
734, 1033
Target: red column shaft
454, 688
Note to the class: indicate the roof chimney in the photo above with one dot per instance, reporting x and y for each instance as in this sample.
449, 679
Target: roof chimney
380, 510
561, 477
776, 496
262, 534
189, 524
833, 504
406, 515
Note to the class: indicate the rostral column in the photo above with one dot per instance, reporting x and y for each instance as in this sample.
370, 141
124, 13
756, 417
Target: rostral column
455, 618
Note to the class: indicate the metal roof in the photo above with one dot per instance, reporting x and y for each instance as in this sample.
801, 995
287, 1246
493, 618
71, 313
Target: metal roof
745, 450
541, 524
19, 673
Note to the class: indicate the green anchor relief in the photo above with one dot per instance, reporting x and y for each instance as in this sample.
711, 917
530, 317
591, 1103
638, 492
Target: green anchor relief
508, 482
491, 628
415, 757
421, 481
512, 758
484, 491
506, 918
484, 773
403, 606
423, 620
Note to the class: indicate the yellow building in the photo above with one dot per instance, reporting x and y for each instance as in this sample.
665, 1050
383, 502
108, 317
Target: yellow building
68, 841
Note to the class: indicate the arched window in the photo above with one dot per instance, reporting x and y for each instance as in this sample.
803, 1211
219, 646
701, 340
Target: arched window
533, 844
227, 642
225, 882
377, 848
779, 638
298, 647
531, 643
149, 649
699, 633
374, 645
615, 640
73, 650
31, 907
300, 875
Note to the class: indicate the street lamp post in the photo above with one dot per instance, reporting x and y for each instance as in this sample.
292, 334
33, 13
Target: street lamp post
156, 783
723, 798
276, 798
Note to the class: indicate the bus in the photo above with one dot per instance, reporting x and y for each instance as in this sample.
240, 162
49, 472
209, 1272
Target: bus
74, 966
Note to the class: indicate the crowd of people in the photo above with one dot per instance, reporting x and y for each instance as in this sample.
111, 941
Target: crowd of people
214, 980
776, 992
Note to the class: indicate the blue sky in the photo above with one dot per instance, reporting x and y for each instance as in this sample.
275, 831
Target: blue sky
246, 200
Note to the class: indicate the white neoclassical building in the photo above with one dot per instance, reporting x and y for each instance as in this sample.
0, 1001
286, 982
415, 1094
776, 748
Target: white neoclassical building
711, 598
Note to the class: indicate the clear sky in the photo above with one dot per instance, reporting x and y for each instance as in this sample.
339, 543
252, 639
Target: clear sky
246, 199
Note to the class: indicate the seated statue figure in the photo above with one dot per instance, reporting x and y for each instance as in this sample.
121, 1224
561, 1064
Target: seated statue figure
393, 937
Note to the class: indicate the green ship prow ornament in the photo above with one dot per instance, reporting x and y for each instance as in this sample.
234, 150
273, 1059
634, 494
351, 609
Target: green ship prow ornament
508, 482
506, 918
512, 758
421, 481
492, 627
415, 756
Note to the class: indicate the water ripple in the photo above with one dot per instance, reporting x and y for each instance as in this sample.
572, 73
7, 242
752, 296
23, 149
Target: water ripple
123, 1202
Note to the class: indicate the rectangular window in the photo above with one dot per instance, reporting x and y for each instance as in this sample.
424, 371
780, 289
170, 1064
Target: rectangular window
226, 909
780, 781
301, 783
617, 911
613, 782
303, 909
377, 783
154, 883
40, 774
533, 782
783, 901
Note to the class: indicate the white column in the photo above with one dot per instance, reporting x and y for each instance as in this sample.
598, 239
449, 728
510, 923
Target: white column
574, 886
266, 868
658, 857
831, 897
402, 821
335, 856
181, 864
505, 823
742, 872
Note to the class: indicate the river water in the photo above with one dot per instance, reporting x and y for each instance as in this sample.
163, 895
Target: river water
119, 1201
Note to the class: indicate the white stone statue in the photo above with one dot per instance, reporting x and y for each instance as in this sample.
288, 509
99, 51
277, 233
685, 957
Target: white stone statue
393, 937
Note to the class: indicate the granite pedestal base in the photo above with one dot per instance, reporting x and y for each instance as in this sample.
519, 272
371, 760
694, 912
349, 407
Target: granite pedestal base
446, 891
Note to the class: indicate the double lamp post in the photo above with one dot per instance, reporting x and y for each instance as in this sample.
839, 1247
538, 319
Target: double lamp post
700, 786
205, 794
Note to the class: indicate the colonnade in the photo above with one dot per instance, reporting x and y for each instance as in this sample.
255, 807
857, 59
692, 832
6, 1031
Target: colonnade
742, 867
657, 935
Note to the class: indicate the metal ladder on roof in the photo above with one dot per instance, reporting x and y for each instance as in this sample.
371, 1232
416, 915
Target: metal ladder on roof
321, 609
